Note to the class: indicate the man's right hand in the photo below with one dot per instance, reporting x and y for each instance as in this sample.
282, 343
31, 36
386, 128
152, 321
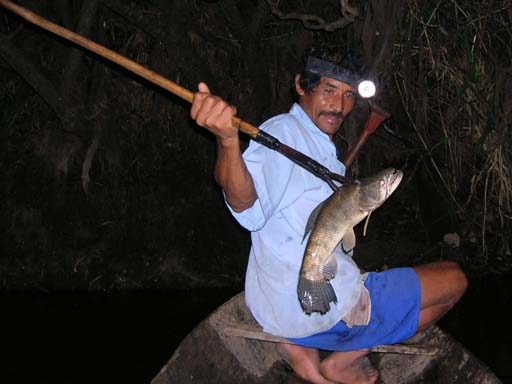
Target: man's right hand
231, 173
214, 114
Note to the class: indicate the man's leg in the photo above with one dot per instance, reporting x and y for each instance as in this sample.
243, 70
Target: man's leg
349, 368
305, 362
338, 367
442, 285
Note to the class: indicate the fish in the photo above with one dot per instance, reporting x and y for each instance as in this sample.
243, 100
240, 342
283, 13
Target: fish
332, 222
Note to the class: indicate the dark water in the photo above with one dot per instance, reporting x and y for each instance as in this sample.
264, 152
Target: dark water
97, 338
481, 322
128, 337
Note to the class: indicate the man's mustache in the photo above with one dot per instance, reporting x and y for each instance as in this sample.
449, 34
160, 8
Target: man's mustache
338, 115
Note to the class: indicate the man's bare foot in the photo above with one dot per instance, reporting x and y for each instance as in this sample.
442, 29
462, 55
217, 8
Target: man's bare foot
305, 362
359, 372
349, 368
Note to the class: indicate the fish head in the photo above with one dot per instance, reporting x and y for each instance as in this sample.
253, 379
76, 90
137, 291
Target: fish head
374, 190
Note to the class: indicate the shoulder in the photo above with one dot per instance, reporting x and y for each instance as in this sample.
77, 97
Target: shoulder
286, 126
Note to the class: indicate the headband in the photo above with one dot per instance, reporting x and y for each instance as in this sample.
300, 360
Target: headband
325, 68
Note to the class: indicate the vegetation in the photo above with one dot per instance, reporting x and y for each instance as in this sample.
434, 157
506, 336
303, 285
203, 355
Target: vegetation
107, 184
452, 72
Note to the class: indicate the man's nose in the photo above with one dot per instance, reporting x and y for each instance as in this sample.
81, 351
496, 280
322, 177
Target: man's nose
337, 104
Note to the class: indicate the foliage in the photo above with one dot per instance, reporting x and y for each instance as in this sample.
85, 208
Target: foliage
452, 71
108, 184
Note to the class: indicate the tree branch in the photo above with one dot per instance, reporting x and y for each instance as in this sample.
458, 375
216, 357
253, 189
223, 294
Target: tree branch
251, 49
70, 73
86, 165
186, 61
314, 22
31, 74
258, 19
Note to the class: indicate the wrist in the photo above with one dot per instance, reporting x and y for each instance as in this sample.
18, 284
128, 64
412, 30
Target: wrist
228, 142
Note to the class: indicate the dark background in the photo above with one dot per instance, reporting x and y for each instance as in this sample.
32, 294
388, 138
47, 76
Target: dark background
115, 241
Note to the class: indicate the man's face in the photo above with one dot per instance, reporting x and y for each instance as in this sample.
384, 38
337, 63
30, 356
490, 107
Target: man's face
328, 103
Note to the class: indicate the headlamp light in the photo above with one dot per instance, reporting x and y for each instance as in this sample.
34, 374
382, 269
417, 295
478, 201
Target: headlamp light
366, 89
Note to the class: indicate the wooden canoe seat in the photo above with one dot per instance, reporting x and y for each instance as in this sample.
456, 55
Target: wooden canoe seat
254, 331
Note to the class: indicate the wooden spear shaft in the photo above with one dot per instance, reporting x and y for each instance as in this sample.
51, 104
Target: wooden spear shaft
124, 62
153, 77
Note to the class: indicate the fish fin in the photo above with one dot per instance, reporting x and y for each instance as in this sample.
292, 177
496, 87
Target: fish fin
349, 240
330, 268
366, 223
315, 296
312, 219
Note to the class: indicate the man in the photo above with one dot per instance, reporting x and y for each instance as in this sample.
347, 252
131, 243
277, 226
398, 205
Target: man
272, 197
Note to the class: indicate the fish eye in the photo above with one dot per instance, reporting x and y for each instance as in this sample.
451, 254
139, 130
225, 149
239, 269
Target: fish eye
382, 182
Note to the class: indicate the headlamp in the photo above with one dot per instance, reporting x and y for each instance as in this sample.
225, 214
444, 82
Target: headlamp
365, 88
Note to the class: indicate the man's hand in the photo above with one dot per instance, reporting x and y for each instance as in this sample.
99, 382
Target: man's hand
214, 114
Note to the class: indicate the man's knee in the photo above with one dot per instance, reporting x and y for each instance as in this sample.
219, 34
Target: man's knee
442, 282
457, 277
462, 278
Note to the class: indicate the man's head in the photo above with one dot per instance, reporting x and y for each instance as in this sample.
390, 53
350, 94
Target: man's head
327, 89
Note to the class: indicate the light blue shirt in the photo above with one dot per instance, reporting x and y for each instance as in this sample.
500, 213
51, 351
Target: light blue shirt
286, 196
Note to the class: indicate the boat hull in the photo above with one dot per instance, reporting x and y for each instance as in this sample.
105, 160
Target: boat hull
209, 355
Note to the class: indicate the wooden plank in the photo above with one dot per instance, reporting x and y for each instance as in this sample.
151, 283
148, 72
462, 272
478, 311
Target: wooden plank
254, 331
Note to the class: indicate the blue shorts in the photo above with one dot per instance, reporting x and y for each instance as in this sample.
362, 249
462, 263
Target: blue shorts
396, 298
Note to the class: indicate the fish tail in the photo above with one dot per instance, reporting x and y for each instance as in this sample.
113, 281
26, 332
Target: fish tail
315, 296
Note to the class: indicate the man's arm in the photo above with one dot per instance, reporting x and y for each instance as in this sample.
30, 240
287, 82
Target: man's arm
214, 114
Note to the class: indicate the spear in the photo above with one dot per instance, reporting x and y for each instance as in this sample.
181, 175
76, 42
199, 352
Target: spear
256, 134
377, 116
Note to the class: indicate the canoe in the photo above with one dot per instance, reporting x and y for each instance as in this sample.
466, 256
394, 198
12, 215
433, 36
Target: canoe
229, 347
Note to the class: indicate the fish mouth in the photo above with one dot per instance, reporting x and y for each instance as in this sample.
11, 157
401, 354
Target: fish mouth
396, 175
394, 180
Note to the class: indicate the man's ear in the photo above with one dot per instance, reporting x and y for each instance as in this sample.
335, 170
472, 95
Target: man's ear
298, 88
